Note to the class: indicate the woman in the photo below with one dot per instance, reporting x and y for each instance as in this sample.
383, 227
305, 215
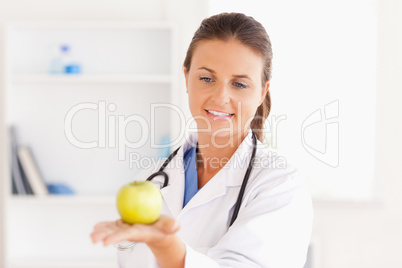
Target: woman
227, 71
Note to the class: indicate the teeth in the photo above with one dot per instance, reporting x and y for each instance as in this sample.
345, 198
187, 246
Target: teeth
218, 113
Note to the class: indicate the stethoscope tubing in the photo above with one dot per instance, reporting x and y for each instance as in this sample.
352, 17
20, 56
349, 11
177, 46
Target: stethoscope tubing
243, 185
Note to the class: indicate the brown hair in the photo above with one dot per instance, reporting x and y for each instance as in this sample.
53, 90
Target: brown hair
248, 31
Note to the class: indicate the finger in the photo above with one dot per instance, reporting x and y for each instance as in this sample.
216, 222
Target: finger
102, 224
95, 237
103, 231
167, 225
131, 233
99, 235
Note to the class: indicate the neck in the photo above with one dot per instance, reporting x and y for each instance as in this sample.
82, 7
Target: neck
214, 152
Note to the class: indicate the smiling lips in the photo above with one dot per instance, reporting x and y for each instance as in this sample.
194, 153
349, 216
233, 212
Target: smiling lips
215, 115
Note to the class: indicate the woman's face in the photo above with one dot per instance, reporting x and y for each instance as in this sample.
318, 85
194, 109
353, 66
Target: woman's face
224, 86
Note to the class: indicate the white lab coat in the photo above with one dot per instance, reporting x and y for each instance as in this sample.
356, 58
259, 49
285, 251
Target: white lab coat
273, 226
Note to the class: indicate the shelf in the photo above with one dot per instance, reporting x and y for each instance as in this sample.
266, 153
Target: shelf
62, 264
95, 25
86, 78
63, 199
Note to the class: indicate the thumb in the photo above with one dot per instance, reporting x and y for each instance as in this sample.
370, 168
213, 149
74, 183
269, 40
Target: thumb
169, 226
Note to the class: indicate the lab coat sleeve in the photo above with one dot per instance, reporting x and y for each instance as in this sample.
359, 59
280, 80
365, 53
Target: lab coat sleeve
272, 230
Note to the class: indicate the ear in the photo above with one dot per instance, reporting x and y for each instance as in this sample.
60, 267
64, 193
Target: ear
186, 77
264, 91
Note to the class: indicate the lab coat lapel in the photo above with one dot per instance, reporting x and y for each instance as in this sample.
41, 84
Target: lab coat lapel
215, 188
173, 194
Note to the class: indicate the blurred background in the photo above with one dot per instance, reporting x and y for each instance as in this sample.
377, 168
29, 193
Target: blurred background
81, 79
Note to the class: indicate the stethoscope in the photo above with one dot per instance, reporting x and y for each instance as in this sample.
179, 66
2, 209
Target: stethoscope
161, 172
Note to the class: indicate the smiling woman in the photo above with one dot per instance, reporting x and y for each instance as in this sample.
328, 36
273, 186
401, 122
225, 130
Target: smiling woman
224, 82
222, 206
256, 44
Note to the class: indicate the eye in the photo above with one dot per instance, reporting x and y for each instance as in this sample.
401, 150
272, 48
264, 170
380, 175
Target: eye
239, 85
206, 79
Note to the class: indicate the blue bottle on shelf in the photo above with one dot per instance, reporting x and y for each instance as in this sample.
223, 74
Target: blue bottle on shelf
70, 67
62, 62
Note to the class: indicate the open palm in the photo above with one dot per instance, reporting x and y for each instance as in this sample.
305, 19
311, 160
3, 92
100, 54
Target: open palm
116, 231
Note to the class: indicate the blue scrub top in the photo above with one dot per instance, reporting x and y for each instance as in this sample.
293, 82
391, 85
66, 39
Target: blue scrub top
190, 174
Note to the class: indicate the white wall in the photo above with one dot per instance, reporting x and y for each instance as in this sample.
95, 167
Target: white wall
2, 155
370, 235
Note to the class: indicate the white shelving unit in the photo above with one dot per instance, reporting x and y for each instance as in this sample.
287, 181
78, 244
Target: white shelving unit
62, 200
115, 79
64, 264
126, 67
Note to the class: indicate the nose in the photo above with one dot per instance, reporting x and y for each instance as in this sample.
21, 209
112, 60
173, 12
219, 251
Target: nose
221, 95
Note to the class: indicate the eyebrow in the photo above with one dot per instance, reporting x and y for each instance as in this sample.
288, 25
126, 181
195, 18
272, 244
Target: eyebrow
242, 76
207, 69
236, 75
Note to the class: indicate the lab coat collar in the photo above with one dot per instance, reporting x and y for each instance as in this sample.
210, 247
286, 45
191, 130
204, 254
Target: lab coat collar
228, 176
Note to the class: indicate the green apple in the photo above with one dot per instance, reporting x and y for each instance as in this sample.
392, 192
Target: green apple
139, 202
